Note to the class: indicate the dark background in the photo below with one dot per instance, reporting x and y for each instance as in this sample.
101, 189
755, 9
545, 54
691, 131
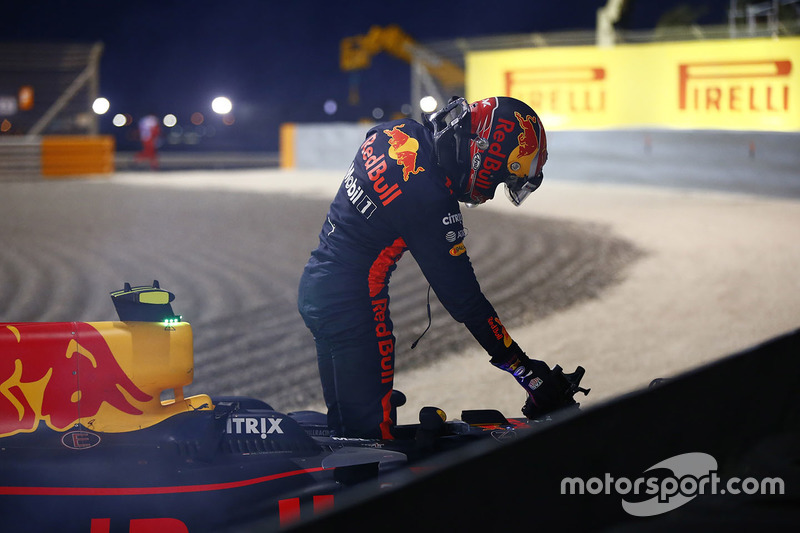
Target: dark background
279, 61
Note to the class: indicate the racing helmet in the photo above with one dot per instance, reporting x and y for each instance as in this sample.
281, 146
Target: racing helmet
492, 141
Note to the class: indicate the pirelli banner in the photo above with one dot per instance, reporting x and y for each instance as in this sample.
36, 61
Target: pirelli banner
746, 84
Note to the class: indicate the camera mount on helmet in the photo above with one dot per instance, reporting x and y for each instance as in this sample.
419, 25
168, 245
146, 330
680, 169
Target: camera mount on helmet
451, 134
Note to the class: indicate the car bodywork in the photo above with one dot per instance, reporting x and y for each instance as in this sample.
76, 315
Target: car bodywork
86, 435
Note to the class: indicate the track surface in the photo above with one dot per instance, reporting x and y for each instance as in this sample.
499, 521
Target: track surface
234, 259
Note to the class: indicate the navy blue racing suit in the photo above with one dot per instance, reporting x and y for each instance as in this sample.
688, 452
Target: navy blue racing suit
392, 199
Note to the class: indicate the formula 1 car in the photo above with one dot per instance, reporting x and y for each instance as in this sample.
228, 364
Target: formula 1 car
87, 443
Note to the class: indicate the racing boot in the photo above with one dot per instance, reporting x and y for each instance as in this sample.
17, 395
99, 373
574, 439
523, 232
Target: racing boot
548, 390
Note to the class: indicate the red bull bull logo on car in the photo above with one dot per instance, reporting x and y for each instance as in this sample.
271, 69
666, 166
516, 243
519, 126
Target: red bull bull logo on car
403, 149
59, 373
104, 376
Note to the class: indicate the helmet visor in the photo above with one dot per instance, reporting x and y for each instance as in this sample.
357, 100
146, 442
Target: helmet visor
518, 189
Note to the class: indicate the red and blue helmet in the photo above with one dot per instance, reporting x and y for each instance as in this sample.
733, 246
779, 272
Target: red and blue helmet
492, 141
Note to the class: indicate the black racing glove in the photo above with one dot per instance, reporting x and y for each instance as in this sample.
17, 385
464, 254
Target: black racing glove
558, 395
548, 390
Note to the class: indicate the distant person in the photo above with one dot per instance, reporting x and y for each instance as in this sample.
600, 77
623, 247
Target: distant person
150, 137
402, 192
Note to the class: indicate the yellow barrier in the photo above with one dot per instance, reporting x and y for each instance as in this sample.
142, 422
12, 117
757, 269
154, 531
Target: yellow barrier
747, 84
68, 155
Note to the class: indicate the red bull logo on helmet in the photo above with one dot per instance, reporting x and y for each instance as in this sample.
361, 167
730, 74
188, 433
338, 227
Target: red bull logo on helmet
523, 160
403, 148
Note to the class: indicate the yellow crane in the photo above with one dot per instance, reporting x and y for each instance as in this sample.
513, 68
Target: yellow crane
356, 53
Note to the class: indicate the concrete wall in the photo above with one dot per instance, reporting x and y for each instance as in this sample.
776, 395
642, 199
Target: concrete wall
329, 146
746, 162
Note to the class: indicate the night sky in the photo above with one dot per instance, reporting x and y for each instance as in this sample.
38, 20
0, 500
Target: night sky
279, 61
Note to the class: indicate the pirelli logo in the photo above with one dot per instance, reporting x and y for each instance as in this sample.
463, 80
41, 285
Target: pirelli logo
760, 86
568, 89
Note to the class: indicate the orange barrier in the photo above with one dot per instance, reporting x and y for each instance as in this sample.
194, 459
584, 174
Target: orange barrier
69, 155
287, 138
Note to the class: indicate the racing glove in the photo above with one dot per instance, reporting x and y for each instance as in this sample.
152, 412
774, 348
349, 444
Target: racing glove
548, 390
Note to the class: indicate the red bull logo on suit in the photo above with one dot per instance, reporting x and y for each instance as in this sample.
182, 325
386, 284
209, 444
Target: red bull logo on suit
375, 166
403, 149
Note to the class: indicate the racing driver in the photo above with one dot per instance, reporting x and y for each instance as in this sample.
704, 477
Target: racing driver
402, 192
